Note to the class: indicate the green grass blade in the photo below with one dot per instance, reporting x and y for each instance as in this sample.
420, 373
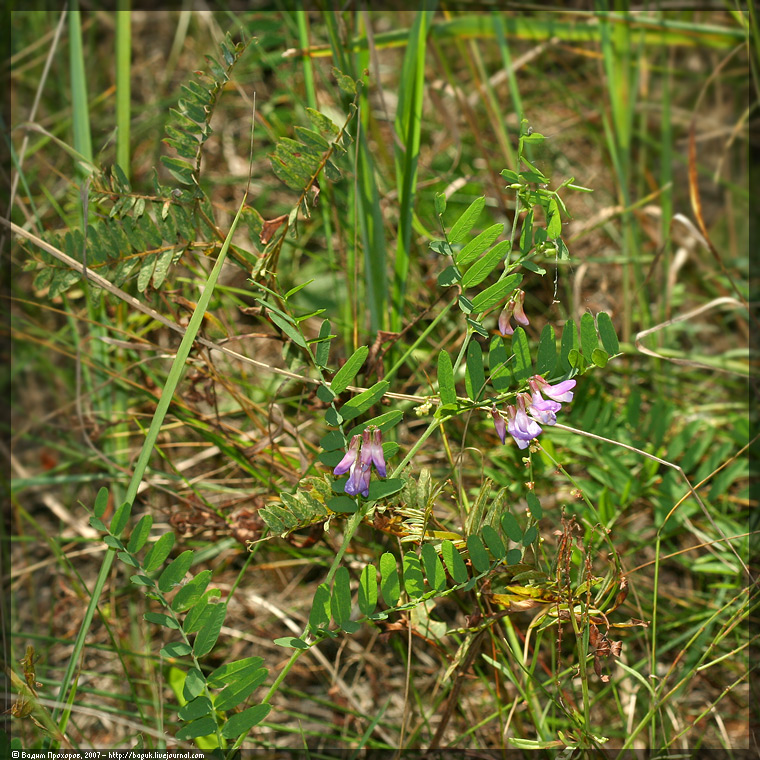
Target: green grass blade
123, 84
408, 126
79, 106
172, 381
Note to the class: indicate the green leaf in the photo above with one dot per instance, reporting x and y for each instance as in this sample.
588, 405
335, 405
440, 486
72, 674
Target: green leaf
322, 351
291, 643
367, 597
454, 562
440, 203
482, 268
449, 276
324, 393
414, 582
120, 519
533, 137
201, 727
345, 83
340, 599
534, 505
333, 440
287, 327
434, 572
237, 692
474, 378
175, 571
576, 361
158, 553
113, 542
478, 328
553, 221
361, 403
242, 722
319, 617
467, 220
446, 385
478, 245
180, 169
589, 339
198, 613
511, 176
441, 247
195, 683
162, 267
98, 524
478, 554
495, 293
385, 422
140, 534
511, 527
380, 489
342, 504
569, 342
128, 559
209, 632
331, 171
607, 333
599, 357
176, 649
322, 122
465, 304
349, 370
191, 592
197, 708
216, 69
530, 536
311, 139
531, 266
141, 580
522, 368
160, 619
493, 542
389, 581
146, 271
101, 502
526, 235
546, 356
514, 556
231, 672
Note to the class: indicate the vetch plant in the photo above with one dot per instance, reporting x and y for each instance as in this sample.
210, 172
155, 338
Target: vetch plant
457, 541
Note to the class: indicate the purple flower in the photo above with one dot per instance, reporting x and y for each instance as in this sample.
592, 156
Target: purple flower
359, 467
499, 424
358, 480
559, 392
521, 427
372, 450
544, 410
349, 459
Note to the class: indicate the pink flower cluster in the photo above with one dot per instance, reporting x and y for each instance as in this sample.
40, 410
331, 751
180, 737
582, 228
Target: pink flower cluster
359, 466
523, 418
